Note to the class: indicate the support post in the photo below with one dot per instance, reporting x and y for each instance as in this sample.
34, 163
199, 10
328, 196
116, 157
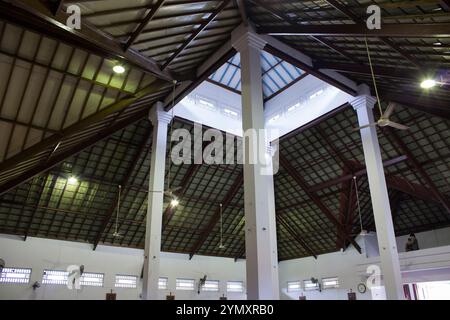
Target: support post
390, 265
160, 120
260, 222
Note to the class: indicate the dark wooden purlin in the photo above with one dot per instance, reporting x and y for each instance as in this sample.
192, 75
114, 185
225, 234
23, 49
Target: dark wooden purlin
416, 164
387, 72
426, 104
197, 31
283, 17
338, 6
296, 236
216, 216
123, 184
357, 173
302, 183
36, 15
55, 160
153, 11
434, 30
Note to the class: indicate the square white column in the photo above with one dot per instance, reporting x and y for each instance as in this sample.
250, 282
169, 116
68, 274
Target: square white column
160, 120
260, 223
390, 265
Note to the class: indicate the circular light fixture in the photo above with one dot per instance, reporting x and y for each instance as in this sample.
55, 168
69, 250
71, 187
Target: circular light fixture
72, 180
118, 69
428, 83
174, 203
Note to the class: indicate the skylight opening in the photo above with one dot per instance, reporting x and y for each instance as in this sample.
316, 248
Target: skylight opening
316, 94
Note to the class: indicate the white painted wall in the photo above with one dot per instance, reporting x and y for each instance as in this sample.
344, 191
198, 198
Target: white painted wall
40, 254
427, 264
337, 264
431, 263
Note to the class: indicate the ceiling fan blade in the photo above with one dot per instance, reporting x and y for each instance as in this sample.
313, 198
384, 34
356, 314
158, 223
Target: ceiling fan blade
389, 110
397, 125
366, 126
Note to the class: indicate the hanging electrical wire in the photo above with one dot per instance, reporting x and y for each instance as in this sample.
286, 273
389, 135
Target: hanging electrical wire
362, 231
116, 233
221, 246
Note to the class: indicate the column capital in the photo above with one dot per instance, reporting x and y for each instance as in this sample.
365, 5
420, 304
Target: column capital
157, 114
244, 37
363, 101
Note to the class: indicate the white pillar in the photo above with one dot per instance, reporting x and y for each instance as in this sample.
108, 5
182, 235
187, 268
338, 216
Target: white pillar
160, 120
260, 225
390, 265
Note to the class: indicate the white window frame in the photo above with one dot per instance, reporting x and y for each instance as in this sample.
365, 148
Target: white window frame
125, 281
294, 286
330, 286
307, 285
211, 286
186, 287
15, 275
54, 273
83, 279
163, 283
237, 283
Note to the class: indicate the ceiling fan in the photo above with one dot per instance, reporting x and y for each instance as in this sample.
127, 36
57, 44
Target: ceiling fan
384, 120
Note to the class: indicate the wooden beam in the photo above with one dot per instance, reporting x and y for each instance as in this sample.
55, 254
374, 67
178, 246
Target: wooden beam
197, 31
237, 184
77, 148
169, 211
150, 15
296, 236
401, 30
36, 15
361, 172
118, 106
123, 184
316, 200
417, 166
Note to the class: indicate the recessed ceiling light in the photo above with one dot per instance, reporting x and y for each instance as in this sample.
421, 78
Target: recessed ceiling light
428, 83
437, 44
118, 69
72, 180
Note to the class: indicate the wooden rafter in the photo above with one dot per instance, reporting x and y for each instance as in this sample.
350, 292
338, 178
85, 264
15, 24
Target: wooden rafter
302, 183
150, 15
197, 31
37, 16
